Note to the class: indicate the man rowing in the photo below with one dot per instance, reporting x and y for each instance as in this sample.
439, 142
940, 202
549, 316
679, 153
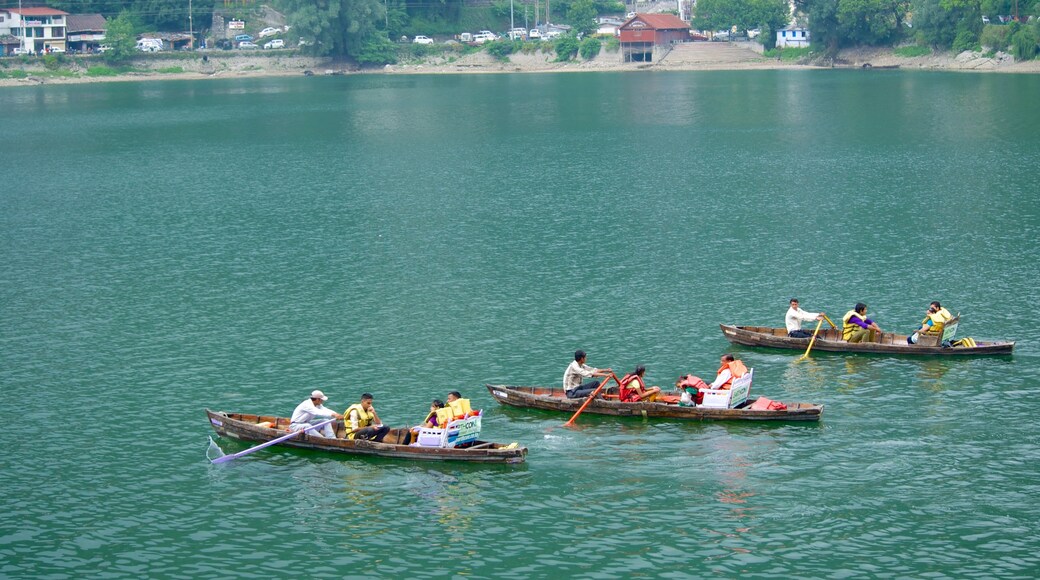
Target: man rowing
577, 370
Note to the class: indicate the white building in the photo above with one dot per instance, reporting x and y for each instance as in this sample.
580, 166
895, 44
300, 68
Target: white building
37, 29
792, 36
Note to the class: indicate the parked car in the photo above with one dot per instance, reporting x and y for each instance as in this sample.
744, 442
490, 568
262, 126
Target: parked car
489, 34
55, 50
104, 48
420, 39
21, 50
551, 34
246, 45
243, 38
269, 31
276, 43
481, 38
754, 32
534, 33
517, 34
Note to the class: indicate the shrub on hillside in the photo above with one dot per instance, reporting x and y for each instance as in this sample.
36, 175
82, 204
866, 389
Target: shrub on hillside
500, 49
589, 48
378, 51
1023, 43
995, 37
613, 44
565, 47
965, 40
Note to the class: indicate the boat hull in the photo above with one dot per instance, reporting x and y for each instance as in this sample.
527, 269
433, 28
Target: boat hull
831, 341
553, 399
249, 428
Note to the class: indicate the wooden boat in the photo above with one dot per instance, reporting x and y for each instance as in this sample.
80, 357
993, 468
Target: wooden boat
887, 343
554, 399
263, 428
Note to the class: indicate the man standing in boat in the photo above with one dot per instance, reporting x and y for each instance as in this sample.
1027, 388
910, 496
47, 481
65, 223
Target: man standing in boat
577, 370
796, 316
311, 412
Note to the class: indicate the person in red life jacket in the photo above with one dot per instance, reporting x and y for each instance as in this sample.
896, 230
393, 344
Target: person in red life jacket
730, 369
633, 389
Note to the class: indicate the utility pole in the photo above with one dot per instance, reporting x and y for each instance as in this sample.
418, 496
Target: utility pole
511, 24
191, 28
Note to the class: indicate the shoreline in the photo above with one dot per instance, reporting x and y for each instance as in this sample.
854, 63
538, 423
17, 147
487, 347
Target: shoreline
732, 57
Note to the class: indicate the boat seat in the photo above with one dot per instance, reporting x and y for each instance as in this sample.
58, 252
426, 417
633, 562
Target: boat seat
730, 398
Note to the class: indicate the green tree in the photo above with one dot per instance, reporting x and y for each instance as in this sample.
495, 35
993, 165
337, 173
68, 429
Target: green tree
379, 50
338, 27
582, 16
565, 47
121, 38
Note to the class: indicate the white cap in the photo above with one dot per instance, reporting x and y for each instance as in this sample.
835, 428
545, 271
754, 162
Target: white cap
319, 395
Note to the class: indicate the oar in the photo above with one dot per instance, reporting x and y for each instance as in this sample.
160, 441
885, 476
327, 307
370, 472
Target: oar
812, 341
829, 322
224, 458
591, 397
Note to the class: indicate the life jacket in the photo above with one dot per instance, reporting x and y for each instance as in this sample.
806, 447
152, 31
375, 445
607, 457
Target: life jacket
736, 370
939, 320
460, 408
364, 418
630, 395
847, 327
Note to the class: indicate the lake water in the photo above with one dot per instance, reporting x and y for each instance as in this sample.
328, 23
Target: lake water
234, 244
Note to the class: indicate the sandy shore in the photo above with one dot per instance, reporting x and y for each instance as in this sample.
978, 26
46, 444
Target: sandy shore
695, 57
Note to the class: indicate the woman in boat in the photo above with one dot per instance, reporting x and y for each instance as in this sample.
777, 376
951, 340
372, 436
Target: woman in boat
633, 389
730, 369
934, 322
857, 326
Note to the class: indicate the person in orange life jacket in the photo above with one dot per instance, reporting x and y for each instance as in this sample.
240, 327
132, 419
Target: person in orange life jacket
362, 421
572, 384
633, 389
730, 369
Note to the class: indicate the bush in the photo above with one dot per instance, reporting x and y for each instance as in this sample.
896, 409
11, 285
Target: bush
500, 49
15, 74
613, 44
589, 48
378, 51
1023, 44
965, 40
565, 47
993, 36
171, 70
52, 61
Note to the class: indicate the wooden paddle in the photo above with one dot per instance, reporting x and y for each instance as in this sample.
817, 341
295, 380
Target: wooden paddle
570, 423
224, 458
829, 322
812, 341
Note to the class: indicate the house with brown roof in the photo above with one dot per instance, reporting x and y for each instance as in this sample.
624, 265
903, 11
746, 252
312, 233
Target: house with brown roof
86, 32
38, 30
643, 34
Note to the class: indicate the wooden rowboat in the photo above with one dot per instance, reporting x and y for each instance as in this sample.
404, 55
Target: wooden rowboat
830, 340
554, 399
263, 428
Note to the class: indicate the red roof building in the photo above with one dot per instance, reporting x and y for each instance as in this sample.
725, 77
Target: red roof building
641, 33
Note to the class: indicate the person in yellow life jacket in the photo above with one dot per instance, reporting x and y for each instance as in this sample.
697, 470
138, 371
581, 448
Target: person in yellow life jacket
934, 322
633, 389
362, 422
730, 369
857, 326
430, 422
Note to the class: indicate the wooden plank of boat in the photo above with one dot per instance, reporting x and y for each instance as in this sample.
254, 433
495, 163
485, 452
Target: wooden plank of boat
262, 428
554, 399
831, 340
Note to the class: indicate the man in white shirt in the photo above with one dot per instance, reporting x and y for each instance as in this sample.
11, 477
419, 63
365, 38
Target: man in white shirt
795, 317
577, 370
312, 412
